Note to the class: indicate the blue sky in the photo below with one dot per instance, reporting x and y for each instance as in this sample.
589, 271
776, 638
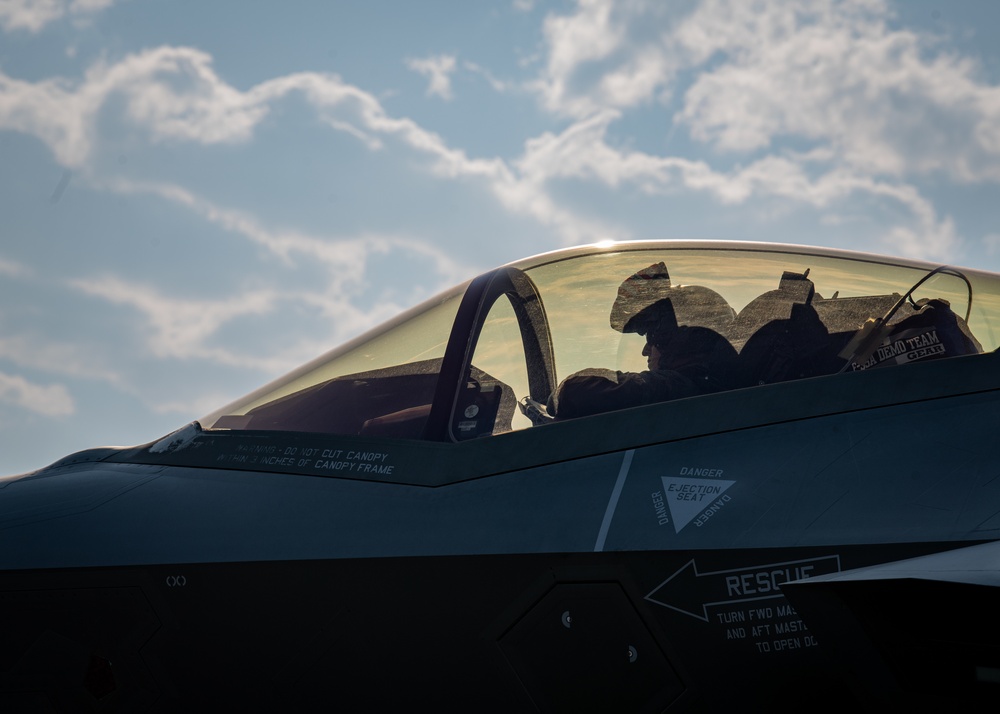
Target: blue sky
197, 197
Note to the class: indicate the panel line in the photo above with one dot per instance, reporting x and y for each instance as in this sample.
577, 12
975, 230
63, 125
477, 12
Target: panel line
613, 503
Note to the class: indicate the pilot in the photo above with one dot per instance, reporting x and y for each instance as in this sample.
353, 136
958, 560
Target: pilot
685, 349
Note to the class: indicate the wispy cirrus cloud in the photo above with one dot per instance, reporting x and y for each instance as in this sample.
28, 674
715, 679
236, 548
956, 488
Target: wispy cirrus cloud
51, 400
832, 76
877, 106
180, 328
498, 85
187, 328
54, 357
886, 101
171, 93
33, 15
834, 72
438, 70
342, 256
593, 34
13, 269
174, 94
582, 151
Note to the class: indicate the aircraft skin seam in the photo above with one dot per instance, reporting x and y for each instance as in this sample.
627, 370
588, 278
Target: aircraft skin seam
613, 502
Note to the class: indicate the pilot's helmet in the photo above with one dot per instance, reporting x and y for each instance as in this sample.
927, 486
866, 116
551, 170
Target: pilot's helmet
650, 305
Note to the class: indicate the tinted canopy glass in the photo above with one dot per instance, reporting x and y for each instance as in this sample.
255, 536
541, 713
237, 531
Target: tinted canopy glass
381, 384
627, 325
785, 314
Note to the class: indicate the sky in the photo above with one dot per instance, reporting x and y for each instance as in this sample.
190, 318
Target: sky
197, 197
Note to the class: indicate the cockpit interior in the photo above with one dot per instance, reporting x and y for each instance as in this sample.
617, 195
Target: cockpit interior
487, 357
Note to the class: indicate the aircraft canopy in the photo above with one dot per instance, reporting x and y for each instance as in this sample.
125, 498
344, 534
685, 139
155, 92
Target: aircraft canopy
457, 366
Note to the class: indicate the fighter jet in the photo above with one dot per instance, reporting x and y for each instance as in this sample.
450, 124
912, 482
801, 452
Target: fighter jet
628, 477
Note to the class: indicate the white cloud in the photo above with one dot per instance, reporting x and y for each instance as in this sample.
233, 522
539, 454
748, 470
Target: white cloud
867, 106
185, 328
173, 93
33, 15
12, 269
835, 73
62, 358
179, 328
90, 5
342, 256
52, 400
874, 106
498, 85
886, 100
592, 34
992, 243
582, 152
438, 69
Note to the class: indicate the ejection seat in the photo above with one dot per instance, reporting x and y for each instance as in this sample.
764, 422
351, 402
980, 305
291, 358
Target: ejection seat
780, 336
